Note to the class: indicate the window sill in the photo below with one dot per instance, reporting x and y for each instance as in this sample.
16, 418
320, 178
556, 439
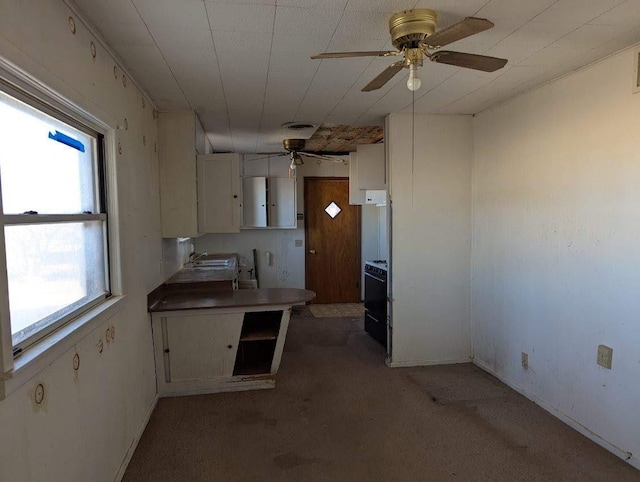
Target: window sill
34, 359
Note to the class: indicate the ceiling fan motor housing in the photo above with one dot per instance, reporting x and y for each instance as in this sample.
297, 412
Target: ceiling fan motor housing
294, 144
410, 27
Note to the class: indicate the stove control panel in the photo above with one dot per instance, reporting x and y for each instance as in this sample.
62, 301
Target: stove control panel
377, 267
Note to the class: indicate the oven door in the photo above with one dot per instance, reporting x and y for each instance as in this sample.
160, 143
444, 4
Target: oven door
376, 328
375, 295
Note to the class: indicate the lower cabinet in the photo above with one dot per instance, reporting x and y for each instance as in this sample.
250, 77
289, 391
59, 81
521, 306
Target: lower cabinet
217, 350
200, 347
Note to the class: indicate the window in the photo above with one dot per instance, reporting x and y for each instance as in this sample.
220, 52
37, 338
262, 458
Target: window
54, 220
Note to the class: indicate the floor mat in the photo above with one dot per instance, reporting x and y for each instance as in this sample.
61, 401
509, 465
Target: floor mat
337, 310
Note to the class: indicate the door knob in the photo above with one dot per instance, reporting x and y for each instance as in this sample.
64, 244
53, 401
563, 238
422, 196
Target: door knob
312, 251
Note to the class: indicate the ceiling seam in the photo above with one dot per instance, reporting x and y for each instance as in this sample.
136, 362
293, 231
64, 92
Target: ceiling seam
350, 88
224, 94
503, 73
266, 83
476, 12
306, 92
511, 93
162, 55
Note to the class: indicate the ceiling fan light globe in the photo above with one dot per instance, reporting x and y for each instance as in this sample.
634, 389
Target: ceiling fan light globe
413, 82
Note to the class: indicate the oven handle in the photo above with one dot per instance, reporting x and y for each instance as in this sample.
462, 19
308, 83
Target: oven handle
373, 317
375, 277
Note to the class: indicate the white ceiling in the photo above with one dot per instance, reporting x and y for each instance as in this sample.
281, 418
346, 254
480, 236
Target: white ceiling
244, 65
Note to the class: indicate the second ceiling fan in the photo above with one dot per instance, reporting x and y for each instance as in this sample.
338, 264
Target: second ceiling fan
294, 148
413, 34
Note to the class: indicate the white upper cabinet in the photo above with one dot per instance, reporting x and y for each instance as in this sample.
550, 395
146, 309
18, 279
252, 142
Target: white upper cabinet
269, 194
282, 202
269, 202
254, 202
371, 167
219, 197
180, 139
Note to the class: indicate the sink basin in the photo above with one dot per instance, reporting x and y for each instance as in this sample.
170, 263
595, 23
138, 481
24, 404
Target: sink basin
214, 261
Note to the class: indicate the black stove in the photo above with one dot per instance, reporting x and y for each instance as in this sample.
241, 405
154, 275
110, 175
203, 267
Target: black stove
375, 299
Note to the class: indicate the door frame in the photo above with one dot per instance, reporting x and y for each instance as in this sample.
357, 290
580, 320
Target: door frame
307, 180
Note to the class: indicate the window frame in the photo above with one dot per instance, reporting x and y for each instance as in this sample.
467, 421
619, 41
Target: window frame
15, 371
100, 197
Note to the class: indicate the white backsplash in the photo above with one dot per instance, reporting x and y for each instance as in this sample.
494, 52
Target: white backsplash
175, 253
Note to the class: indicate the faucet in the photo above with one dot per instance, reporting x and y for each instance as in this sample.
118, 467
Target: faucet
193, 257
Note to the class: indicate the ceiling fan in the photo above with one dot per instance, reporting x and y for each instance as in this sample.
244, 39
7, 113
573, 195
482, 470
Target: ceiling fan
412, 34
295, 147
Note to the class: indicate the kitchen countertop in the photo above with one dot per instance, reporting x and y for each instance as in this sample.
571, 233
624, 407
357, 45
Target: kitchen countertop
202, 298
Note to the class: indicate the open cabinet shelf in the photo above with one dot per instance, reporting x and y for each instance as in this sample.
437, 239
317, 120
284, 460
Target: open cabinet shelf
257, 346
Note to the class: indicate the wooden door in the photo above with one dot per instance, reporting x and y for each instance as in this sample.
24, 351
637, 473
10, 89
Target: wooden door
333, 241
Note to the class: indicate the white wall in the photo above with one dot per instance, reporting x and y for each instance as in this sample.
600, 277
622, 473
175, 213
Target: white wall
90, 418
287, 261
431, 238
175, 253
556, 248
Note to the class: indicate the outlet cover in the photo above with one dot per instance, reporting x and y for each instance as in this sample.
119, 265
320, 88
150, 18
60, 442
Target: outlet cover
525, 360
298, 243
605, 356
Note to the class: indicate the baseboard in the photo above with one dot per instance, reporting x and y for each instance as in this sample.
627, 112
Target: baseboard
632, 460
136, 440
425, 363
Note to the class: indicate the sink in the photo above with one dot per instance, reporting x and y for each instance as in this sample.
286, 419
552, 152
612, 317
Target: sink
214, 261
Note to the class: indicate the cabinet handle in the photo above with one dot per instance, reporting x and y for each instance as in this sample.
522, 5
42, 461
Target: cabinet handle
229, 347
235, 196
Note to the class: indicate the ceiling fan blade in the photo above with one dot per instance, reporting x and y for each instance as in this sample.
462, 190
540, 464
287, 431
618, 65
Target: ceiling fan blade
321, 156
469, 61
465, 28
341, 55
384, 76
266, 155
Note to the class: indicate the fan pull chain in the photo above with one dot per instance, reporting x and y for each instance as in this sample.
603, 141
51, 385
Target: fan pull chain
413, 140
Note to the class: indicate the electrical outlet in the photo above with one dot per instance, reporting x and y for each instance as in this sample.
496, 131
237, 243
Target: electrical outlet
605, 356
298, 243
525, 360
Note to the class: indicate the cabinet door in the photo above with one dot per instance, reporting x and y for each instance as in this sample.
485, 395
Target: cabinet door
201, 346
254, 202
219, 205
282, 202
371, 166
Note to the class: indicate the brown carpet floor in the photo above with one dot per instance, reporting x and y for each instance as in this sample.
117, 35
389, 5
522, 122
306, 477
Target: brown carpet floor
339, 414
